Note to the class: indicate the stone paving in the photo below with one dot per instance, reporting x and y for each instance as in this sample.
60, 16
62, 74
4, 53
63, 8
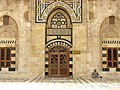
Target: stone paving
69, 83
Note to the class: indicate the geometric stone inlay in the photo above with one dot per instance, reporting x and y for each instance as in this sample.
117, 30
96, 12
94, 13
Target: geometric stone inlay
43, 8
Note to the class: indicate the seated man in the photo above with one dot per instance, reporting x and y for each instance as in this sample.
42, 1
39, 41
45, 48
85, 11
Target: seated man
95, 74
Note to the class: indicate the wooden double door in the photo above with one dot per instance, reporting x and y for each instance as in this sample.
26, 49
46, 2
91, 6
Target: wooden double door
59, 63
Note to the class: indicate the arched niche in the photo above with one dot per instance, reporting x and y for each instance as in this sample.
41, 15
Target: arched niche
9, 39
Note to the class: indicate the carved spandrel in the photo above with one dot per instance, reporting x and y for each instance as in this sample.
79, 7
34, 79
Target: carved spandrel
45, 6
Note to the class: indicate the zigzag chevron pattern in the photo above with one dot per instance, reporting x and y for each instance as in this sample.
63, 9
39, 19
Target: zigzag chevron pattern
7, 41
111, 42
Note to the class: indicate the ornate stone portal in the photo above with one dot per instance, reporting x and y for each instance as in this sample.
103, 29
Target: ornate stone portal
58, 34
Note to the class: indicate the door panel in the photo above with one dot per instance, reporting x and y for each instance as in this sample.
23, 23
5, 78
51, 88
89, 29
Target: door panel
54, 64
58, 64
63, 64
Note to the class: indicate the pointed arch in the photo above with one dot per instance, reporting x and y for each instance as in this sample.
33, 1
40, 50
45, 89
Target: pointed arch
61, 11
63, 5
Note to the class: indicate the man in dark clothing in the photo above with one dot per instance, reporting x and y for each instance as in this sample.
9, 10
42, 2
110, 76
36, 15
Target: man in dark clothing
95, 74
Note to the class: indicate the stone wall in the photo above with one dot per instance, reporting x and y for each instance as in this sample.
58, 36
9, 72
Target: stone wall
99, 10
15, 9
31, 37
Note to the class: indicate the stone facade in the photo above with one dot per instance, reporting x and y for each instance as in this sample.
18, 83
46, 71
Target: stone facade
91, 32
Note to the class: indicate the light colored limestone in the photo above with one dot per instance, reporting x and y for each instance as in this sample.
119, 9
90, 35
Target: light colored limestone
30, 53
